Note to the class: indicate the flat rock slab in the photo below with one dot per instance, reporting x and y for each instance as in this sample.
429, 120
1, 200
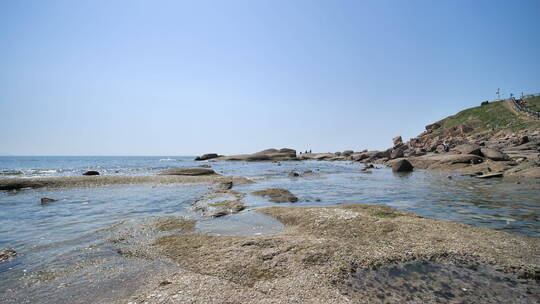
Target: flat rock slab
188, 171
97, 181
277, 195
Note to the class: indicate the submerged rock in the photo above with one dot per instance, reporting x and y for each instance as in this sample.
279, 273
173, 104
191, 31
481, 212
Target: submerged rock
188, 171
277, 195
7, 254
402, 165
227, 185
46, 200
91, 172
293, 174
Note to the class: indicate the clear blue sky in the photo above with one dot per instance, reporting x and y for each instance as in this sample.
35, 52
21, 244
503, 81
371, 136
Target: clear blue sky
184, 78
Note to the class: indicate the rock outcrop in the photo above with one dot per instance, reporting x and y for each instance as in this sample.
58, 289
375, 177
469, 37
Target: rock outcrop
277, 195
207, 156
284, 154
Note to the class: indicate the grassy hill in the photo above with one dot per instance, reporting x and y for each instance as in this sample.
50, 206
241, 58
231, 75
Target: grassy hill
494, 116
533, 103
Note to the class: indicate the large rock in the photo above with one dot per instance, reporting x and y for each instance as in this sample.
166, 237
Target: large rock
402, 165
7, 254
469, 149
188, 171
494, 154
397, 153
347, 152
398, 141
207, 156
277, 195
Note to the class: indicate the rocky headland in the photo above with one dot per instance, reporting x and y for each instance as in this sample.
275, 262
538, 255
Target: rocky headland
492, 140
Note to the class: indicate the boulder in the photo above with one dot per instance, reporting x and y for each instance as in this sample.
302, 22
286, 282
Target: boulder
91, 172
7, 254
46, 200
397, 153
469, 149
402, 165
398, 141
360, 156
441, 149
207, 156
347, 152
188, 171
277, 195
494, 154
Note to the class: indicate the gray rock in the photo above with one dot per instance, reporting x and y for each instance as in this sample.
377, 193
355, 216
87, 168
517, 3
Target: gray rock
402, 165
398, 141
494, 154
347, 152
469, 149
397, 153
294, 174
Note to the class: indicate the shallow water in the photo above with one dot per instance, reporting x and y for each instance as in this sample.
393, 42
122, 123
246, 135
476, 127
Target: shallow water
62, 242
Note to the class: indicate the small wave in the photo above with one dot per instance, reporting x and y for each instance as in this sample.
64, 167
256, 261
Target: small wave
169, 159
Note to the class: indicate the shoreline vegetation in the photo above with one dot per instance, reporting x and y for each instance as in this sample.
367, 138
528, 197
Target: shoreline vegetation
325, 254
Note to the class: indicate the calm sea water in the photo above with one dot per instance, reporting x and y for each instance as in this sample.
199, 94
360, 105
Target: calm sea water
65, 247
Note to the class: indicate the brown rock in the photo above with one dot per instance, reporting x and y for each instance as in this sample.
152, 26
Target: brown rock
469, 149
494, 154
277, 195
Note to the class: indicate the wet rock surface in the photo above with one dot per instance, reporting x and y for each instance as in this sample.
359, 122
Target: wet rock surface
351, 254
277, 195
435, 282
7, 254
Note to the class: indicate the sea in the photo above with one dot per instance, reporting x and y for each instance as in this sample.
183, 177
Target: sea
66, 251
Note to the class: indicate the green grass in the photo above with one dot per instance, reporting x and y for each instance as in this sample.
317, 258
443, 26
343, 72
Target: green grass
493, 116
533, 103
